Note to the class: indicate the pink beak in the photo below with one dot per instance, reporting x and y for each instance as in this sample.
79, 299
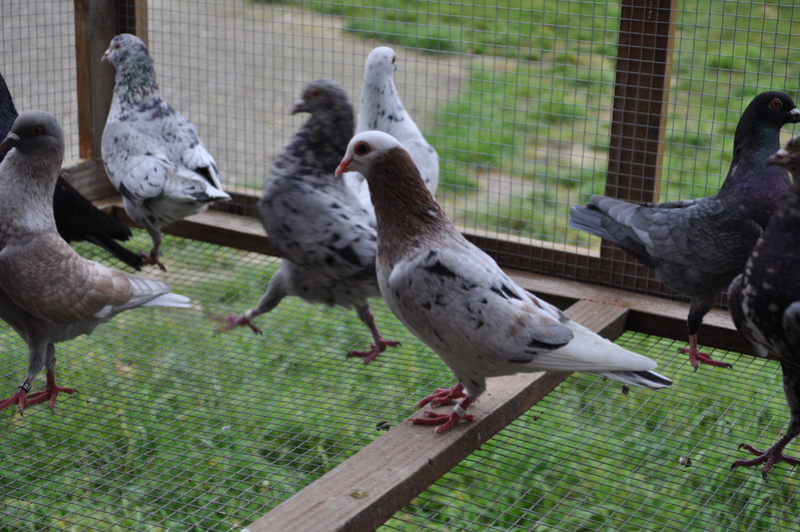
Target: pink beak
343, 167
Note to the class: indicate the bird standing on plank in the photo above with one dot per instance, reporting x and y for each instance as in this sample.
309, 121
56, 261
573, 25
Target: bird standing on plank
326, 238
48, 293
458, 301
153, 154
382, 110
76, 217
765, 304
698, 246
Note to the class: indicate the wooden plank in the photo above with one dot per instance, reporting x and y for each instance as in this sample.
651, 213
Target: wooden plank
367, 489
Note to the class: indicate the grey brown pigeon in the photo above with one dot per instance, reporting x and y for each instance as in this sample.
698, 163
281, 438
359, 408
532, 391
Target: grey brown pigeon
325, 237
457, 300
77, 219
153, 154
697, 247
765, 304
49, 293
382, 110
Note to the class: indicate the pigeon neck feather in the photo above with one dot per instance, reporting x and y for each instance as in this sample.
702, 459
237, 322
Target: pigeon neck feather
26, 200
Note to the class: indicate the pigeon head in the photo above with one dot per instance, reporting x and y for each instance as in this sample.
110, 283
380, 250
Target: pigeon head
369, 150
764, 117
321, 96
788, 158
380, 63
35, 133
123, 47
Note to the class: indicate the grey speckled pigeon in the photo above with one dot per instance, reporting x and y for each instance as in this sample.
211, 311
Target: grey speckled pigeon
153, 154
49, 293
382, 110
77, 218
697, 247
324, 235
765, 304
457, 300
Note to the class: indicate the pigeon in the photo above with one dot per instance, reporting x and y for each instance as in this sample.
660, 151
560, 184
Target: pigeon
325, 237
382, 110
153, 154
765, 304
77, 219
458, 301
49, 293
698, 246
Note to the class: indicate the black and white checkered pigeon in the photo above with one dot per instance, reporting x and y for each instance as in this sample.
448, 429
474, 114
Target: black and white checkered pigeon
325, 237
457, 300
77, 219
765, 304
153, 154
49, 293
698, 246
382, 110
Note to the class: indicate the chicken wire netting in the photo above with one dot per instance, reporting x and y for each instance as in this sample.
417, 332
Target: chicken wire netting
177, 427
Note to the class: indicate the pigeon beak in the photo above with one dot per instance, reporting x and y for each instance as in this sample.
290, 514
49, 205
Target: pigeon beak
10, 141
780, 156
795, 114
105, 56
343, 167
299, 107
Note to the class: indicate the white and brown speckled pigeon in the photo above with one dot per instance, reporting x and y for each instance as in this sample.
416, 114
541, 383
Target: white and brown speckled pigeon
457, 300
49, 293
765, 304
697, 247
325, 237
382, 110
153, 154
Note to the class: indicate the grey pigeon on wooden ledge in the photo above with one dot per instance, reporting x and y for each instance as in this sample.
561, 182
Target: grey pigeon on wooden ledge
382, 110
698, 246
458, 301
77, 219
49, 293
325, 237
765, 304
153, 155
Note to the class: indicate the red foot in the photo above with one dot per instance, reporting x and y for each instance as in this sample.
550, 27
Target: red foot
375, 350
49, 395
152, 258
696, 357
18, 399
769, 458
238, 321
446, 422
443, 396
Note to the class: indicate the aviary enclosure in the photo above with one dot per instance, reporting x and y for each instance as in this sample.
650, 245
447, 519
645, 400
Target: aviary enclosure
533, 106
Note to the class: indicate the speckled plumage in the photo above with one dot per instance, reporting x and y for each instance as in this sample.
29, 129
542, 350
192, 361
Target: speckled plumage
765, 303
152, 154
49, 293
696, 247
457, 300
76, 217
325, 237
382, 110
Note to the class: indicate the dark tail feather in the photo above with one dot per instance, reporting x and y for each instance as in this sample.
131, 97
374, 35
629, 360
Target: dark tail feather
645, 379
132, 259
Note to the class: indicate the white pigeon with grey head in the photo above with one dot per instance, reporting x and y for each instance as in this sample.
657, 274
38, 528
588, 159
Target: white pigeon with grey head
49, 293
382, 110
325, 237
458, 301
153, 154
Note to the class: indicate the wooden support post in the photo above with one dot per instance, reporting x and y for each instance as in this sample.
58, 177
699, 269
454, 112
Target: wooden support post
366, 490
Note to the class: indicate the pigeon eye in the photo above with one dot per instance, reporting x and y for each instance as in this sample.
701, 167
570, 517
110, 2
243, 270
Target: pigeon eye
117, 46
394, 59
37, 131
776, 103
362, 148
315, 93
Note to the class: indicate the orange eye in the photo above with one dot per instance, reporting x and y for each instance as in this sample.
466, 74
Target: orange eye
315, 93
776, 103
362, 148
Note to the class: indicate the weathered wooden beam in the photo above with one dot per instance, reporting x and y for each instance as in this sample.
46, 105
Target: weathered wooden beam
367, 489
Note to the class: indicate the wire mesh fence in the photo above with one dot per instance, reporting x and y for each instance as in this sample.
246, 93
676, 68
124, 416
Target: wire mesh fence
176, 427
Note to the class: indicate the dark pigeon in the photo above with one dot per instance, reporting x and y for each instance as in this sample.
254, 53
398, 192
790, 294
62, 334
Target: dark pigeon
77, 219
765, 304
697, 247
325, 236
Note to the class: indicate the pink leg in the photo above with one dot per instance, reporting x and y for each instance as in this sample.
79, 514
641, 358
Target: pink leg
153, 256
379, 345
770, 457
239, 321
696, 357
443, 396
50, 392
19, 397
446, 422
